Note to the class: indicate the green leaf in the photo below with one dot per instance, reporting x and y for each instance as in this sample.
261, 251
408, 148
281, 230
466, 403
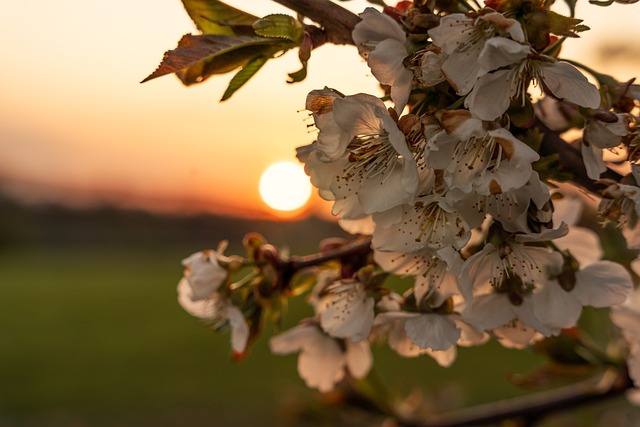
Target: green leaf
244, 75
216, 17
279, 26
193, 50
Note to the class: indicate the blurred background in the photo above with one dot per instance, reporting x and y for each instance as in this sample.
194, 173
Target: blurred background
106, 184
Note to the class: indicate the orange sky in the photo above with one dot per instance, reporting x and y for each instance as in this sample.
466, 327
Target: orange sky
74, 119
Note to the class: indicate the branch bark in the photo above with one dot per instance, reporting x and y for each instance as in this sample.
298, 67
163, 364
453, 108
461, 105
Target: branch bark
337, 22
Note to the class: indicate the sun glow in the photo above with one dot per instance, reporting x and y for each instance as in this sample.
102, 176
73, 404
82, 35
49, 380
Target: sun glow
284, 186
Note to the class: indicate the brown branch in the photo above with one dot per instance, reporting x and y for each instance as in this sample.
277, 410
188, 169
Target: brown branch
533, 407
336, 21
570, 159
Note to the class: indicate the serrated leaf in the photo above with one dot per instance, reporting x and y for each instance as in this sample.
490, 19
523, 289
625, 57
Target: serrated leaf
279, 26
547, 21
216, 17
243, 76
193, 50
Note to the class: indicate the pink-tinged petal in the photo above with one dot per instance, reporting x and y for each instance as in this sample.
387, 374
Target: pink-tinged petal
516, 335
434, 331
603, 284
359, 358
364, 226
491, 95
239, 329
505, 25
321, 363
444, 358
499, 52
565, 82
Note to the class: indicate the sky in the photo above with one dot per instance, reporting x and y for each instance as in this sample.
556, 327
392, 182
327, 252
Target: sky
77, 126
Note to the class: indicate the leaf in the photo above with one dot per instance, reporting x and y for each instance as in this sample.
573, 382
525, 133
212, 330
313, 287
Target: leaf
244, 75
216, 17
192, 50
279, 26
547, 21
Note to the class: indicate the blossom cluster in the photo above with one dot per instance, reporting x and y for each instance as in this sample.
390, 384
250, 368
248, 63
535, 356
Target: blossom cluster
446, 177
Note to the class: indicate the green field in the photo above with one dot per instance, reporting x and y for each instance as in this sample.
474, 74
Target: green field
91, 334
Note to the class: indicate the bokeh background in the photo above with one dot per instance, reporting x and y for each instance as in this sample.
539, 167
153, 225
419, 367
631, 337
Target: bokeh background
106, 184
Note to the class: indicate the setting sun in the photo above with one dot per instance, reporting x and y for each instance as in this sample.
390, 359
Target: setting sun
284, 186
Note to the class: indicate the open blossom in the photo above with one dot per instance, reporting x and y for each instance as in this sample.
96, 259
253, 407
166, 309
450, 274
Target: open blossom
346, 310
429, 222
436, 333
207, 270
510, 70
462, 39
382, 42
475, 159
217, 310
374, 171
323, 361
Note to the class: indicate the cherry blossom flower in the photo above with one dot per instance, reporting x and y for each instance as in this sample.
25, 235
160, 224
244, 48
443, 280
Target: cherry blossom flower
207, 270
374, 171
217, 310
429, 222
493, 91
381, 41
323, 361
346, 310
475, 159
462, 39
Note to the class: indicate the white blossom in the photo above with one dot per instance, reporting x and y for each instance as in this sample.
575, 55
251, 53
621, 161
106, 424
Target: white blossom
345, 310
322, 361
381, 41
374, 171
217, 310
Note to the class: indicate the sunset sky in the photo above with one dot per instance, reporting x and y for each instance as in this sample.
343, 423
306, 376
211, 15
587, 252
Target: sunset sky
75, 121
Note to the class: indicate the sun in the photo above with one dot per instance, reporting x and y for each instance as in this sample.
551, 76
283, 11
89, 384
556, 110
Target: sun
284, 186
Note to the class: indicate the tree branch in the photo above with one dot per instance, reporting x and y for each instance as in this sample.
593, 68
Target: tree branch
532, 407
336, 21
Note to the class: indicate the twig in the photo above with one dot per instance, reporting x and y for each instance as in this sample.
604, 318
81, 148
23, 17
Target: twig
336, 21
532, 407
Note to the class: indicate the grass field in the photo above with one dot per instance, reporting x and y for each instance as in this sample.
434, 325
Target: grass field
91, 335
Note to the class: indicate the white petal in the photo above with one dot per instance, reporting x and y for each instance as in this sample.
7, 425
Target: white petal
462, 69
499, 52
374, 28
491, 95
434, 331
321, 363
603, 284
567, 83
583, 243
555, 307
239, 329
359, 358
